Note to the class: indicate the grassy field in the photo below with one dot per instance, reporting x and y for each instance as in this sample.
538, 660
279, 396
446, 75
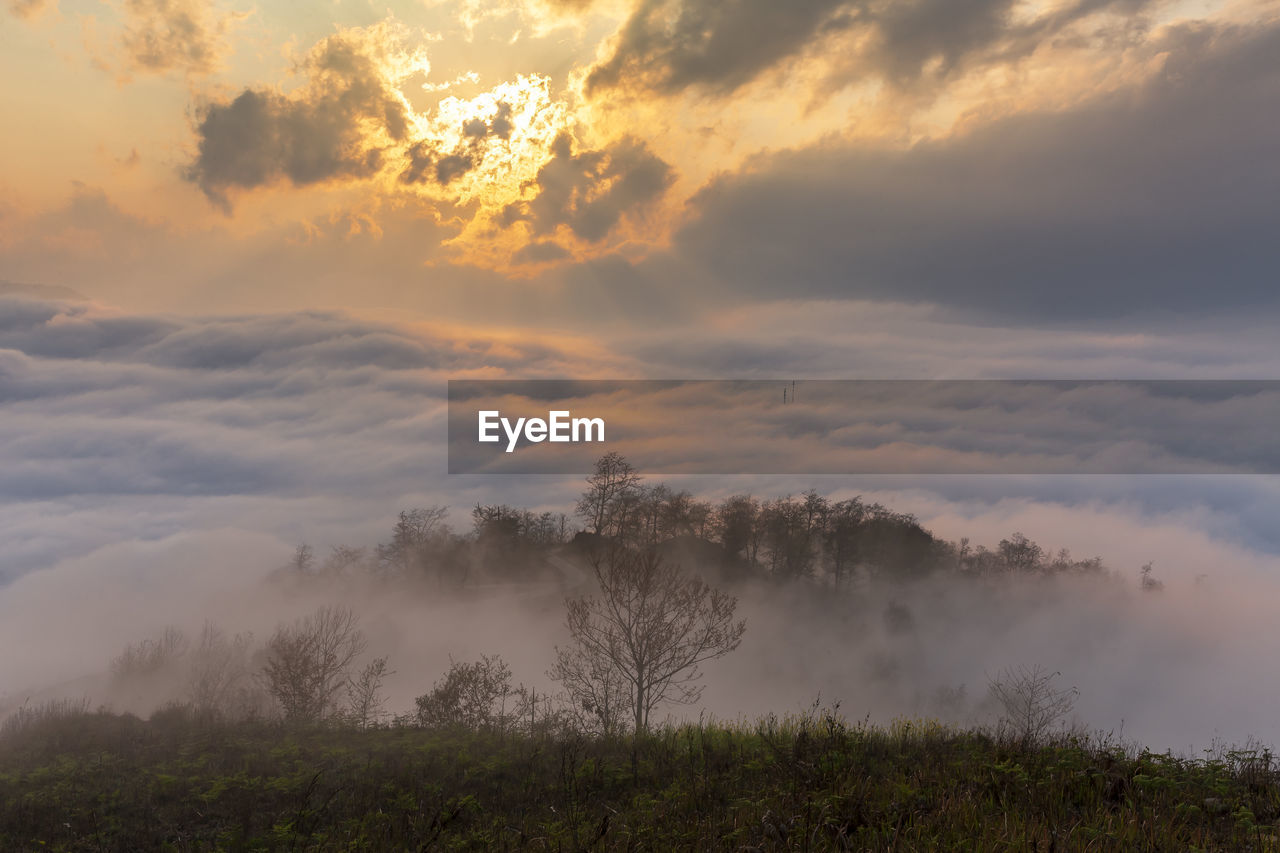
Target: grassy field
98, 781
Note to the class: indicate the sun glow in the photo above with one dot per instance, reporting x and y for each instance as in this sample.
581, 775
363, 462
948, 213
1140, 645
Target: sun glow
488, 148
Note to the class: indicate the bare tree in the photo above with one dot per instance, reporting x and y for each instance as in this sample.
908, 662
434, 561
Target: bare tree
364, 694
343, 560
146, 674
1020, 554
1030, 701
471, 695
307, 662
1148, 582
417, 534
218, 678
598, 693
648, 630
150, 657
304, 558
613, 484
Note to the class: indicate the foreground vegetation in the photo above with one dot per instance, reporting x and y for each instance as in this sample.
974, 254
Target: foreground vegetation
100, 781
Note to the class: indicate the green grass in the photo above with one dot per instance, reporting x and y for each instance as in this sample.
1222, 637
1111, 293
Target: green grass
107, 782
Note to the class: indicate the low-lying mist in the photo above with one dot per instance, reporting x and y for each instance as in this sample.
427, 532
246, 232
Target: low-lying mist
1178, 661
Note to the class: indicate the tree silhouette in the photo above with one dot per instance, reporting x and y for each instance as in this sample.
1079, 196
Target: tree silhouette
644, 635
613, 484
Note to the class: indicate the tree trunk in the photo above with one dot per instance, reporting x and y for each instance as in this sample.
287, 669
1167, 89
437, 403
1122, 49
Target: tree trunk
641, 722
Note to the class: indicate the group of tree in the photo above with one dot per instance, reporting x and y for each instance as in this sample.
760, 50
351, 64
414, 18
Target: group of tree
305, 672
635, 644
810, 537
638, 632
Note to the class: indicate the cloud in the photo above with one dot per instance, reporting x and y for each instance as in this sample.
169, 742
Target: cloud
29, 9
38, 291
540, 253
126, 425
850, 339
668, 46
217, 406
1156, 199
153, 467
426, 163
337, 125
166, 35
591, 191
1177, 669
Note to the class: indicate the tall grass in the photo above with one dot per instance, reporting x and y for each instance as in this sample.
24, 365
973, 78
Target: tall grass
809, 781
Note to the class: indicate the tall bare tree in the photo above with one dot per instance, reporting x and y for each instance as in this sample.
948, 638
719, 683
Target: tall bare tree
644, 636
1031, 701
307, 662
611, 487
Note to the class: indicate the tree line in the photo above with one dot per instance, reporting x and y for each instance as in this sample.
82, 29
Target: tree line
809, 537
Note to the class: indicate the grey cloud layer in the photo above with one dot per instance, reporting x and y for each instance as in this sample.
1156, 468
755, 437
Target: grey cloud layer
118, 426
151, 405
1150, 201
318, 426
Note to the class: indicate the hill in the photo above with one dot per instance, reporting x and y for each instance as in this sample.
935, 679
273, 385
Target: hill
98, 781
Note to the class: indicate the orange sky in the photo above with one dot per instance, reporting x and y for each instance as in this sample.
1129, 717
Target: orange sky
440, 158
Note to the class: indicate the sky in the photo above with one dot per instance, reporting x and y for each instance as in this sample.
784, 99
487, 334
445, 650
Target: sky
244, 245
568, 164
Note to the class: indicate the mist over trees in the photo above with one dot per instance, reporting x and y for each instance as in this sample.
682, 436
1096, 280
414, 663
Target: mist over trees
634, 656
787, 538
648, 579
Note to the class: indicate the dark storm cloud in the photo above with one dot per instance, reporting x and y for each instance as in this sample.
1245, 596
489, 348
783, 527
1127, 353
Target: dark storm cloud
591, 191
1159, 199
667, 46
262, 136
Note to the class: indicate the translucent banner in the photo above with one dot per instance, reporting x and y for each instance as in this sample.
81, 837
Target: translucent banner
866, 426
